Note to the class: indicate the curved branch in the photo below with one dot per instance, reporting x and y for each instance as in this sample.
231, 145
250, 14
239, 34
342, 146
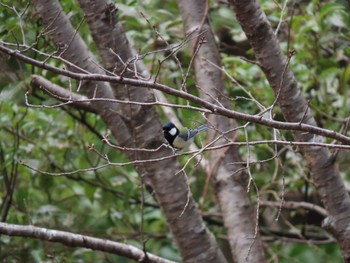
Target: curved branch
76, 240
295, 126
290, 205
60, 93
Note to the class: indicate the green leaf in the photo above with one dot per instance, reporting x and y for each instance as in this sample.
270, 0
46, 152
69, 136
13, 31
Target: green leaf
329, 8
90, 192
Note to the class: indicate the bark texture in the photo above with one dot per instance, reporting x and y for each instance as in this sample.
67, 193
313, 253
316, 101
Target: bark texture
230, 183
325, 174
132, 125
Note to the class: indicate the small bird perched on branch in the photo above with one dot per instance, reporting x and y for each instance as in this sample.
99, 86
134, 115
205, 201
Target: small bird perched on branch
180, 139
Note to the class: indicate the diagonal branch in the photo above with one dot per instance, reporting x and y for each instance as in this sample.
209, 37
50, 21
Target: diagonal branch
294, 125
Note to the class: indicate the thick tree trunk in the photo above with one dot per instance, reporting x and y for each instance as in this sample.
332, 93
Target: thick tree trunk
294, 107
229, 180
133, 126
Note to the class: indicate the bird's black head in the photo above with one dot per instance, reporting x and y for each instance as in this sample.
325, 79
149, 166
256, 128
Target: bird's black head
170, 132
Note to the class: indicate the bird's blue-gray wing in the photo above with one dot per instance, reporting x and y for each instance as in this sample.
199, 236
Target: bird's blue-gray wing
188, 134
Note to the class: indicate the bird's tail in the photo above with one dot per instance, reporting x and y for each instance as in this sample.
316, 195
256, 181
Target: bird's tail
203, 127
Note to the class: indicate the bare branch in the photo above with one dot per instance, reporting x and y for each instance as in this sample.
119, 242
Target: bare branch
281, 18
76, 240
290, 205
215, 109
62, 94
69, 97
197, 152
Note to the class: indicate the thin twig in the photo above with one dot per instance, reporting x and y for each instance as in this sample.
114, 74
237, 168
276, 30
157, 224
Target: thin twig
215, 109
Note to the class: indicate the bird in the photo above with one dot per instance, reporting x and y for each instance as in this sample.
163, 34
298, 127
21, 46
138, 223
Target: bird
180, 139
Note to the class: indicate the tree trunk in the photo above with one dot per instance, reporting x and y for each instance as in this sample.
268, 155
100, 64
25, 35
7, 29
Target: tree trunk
133, 126
229, 180
324, 172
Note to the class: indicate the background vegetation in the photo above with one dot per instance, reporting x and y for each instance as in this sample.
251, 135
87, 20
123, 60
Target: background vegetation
111, 202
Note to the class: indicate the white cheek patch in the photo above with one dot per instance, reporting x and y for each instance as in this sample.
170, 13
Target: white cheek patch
173, 131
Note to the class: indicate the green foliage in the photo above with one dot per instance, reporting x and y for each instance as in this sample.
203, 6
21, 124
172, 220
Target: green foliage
292, 253
106, 202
